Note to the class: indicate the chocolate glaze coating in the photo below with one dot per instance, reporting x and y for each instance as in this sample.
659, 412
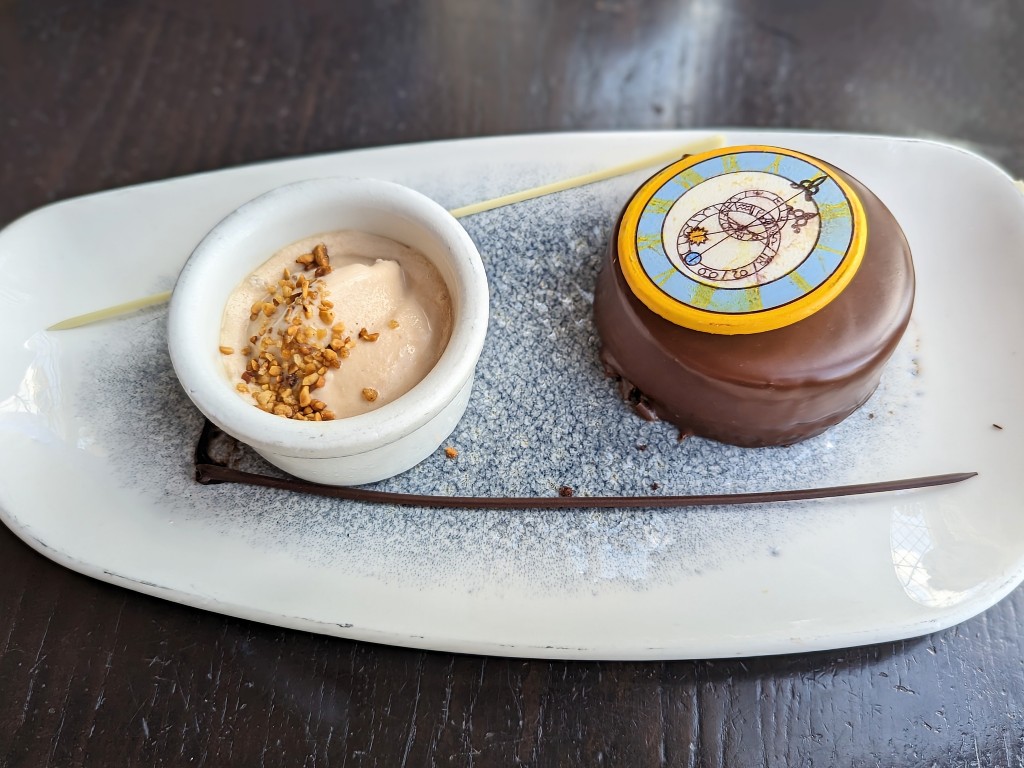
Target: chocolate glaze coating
772, 388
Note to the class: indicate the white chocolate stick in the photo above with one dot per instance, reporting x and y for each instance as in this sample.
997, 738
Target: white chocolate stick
662, 158
114, 311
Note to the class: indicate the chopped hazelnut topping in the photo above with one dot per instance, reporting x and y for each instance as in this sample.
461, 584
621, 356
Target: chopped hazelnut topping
227, 350
365, 335
369, 394
450, 452
290, 359
393, 324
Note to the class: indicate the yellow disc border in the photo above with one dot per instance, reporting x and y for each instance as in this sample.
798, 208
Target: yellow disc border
756, 321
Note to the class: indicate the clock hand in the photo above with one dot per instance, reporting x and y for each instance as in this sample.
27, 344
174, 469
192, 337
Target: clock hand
746, 227
741, 227
785, 202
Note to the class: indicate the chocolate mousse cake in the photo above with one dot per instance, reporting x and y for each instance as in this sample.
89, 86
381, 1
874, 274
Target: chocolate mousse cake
752, 295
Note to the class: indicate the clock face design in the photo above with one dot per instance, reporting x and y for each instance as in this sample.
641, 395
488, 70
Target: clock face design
740, 229
742, 240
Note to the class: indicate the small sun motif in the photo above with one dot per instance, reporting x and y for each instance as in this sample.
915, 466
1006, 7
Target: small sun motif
697, 236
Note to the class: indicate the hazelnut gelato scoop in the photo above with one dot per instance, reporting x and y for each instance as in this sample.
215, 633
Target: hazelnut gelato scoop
334, 326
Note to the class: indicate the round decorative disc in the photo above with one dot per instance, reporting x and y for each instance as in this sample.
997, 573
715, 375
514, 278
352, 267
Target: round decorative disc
741, 239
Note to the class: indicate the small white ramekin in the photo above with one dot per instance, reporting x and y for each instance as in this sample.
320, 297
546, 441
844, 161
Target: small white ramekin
358, 449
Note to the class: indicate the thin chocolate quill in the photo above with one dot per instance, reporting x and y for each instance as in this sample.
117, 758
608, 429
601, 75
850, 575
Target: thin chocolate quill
210, 472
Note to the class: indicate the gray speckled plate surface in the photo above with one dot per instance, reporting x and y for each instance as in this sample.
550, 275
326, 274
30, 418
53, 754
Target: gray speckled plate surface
96, 436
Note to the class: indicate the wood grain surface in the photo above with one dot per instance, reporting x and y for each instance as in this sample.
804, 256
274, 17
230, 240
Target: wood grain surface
96, 95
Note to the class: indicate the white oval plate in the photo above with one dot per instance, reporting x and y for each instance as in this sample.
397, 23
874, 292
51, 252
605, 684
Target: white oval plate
96, 436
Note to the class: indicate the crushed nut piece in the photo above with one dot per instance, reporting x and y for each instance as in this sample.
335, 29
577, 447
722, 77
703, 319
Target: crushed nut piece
392, 324
370, 394
320, 255
365, 335
450, 452
322, 261
227, 350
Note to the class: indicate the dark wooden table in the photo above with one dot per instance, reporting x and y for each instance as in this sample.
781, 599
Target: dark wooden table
95, 95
